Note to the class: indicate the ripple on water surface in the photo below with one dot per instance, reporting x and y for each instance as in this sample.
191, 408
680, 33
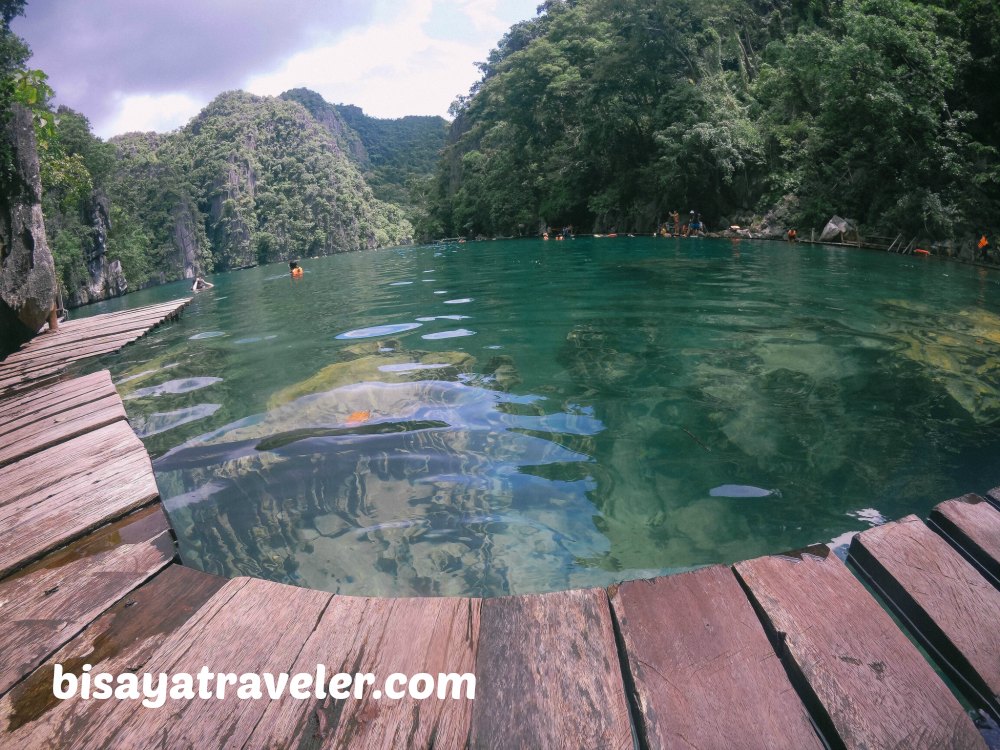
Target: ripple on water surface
628, 408
376, 331
457, 333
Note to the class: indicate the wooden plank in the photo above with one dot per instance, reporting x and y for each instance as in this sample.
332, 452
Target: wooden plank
696, 651
548, 674
860, 675
31, 361
101, 328
18, 407
18, 385
381, 637
249, 625
59, 596
165, 308
52, 497
47, 402
954, 611
972, 525
993, 496
58, 428
121, 640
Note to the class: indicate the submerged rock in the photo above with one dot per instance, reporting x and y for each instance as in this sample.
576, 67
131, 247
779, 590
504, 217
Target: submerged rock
390, 367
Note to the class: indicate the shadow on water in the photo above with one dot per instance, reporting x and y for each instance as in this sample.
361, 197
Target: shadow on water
421, 488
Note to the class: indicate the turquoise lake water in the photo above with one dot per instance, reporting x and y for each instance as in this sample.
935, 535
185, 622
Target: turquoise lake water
522, 416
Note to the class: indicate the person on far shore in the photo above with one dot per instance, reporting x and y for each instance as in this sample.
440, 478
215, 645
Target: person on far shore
792, 236
676, 216
200, 284
984, 247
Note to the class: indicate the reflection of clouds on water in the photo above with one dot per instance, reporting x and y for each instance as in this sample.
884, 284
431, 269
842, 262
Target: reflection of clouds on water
375, 331
456, 333
414, 488
145, 373
183, 385
206, 335
157, 422
461, 301
443, 317
869, 515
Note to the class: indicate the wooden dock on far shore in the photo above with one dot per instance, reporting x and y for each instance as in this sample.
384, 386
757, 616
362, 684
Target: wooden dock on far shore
785, 651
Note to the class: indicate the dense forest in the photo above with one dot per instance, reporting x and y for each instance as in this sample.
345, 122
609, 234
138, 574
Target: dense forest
611, 113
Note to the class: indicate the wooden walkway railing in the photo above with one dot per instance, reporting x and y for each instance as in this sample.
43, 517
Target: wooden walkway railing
784, 651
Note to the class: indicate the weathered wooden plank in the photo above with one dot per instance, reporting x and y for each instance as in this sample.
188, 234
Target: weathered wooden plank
248, 626
121, 640
704, 672
46, 605
52, 497
29, 362
994, 496
23, 406
58, 428
860, 675
953, 609
972, 525
548, 674
381, 637
162, 308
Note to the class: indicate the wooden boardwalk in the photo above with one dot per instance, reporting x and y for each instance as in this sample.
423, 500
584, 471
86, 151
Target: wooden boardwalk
785, 651
47, 356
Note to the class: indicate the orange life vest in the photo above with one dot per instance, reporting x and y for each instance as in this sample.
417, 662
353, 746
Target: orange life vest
983, 242
296, 272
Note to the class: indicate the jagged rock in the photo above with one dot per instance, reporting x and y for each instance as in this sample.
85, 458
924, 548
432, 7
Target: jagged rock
778, 220
27, 271
839, 230
186, 239
105, 277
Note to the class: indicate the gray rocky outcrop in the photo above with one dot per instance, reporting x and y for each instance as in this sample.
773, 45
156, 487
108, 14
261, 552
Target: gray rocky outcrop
186, 240
27, 270
839, 230
778, 220
105, 277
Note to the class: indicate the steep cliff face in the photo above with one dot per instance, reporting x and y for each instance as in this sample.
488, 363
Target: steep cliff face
186, 240
105, 277
27, 270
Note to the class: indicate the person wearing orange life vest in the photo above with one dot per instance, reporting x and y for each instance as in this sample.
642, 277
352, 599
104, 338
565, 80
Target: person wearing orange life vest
294, 269
984, 248
792, 235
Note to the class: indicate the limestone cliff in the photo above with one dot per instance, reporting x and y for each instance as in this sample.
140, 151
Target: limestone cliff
105, 277
27, 270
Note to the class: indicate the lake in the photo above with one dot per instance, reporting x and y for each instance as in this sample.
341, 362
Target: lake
522, 416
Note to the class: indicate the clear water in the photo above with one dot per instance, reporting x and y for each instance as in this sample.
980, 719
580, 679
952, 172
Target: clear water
508, 417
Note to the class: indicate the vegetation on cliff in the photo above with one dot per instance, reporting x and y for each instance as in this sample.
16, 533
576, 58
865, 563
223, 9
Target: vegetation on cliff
611, 113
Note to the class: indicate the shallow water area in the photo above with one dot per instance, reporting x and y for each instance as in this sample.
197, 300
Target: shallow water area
609, 409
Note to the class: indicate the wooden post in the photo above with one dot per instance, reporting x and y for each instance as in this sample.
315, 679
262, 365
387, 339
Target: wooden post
53, 319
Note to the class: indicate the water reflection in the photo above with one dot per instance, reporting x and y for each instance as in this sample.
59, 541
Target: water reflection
577, 438
445, 488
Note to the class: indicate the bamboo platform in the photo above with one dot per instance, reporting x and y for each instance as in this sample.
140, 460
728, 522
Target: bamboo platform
785, 651
46, 357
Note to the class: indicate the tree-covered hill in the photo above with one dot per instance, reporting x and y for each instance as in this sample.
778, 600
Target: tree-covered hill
395, 155
611, 113
249, 180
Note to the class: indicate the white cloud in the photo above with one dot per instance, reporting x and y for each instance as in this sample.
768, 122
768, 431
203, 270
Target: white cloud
389, 69
160, 112
413, 58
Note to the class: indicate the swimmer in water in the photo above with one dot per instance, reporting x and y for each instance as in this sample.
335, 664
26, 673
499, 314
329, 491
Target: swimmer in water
294, 268
200, 284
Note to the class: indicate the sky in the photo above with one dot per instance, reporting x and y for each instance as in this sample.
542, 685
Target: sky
153, 64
